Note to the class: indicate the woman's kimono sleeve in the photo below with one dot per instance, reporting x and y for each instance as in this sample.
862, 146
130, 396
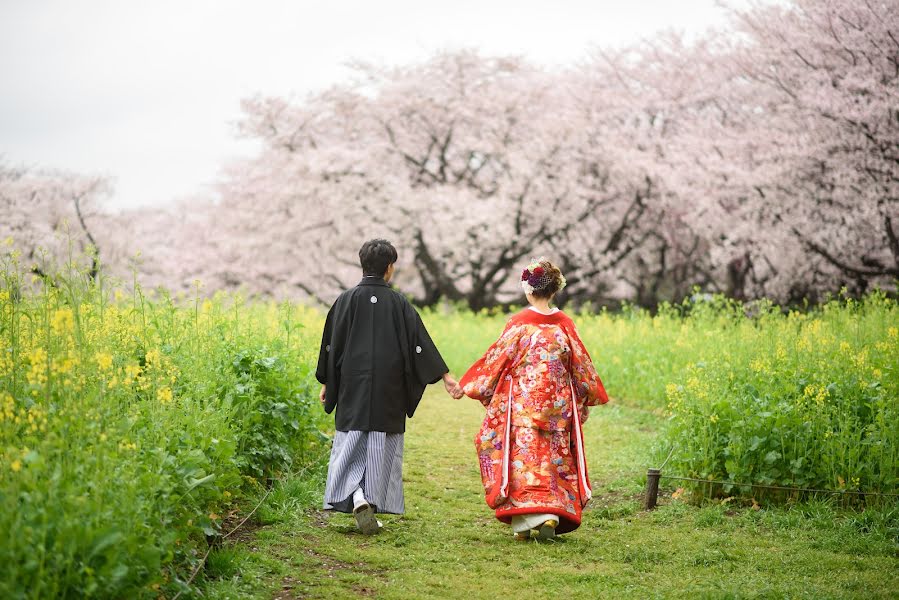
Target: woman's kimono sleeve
481, 379
587, 384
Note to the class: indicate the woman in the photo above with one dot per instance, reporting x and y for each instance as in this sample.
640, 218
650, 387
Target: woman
530, 446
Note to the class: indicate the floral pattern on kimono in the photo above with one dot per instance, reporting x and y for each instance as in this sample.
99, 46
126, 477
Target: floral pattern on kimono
530, 381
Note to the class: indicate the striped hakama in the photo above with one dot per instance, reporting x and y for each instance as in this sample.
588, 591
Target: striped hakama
372, 460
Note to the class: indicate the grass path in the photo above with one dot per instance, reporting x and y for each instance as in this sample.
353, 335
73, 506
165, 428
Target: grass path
448, 545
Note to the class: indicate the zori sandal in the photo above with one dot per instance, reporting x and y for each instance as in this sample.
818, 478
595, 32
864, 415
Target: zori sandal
365, 519
547, 530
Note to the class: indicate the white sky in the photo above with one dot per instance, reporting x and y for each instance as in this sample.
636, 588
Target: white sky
147, 92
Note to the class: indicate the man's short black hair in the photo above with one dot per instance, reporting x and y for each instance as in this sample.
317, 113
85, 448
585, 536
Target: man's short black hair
375, 256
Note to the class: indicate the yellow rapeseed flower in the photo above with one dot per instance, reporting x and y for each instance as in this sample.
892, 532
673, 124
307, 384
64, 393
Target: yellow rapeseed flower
780, 352
164, 395
16, 465
152, 357
37, 374
759, 365
893, 332
104, 360
62, 320
7, 406
66, 365
131, 373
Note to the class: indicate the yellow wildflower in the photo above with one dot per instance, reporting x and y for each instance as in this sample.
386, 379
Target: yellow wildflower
104, 360
66, 365
759, 365
62, 321
7, 406
164, 395
893, 332
152, 357
131, 373
16, 465
713, 418
37, 375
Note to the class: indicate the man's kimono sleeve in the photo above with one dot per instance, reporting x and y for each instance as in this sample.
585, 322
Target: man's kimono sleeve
327, 371
424, 365
481, 379
587, 384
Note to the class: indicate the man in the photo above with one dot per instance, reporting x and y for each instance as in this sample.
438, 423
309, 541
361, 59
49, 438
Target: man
375, 360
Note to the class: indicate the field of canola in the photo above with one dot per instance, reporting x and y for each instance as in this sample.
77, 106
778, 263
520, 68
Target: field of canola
134, 426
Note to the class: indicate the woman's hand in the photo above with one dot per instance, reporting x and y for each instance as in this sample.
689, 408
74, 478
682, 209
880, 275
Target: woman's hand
452, 386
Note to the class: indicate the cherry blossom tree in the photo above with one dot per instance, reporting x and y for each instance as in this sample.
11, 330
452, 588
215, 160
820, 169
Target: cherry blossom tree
49, 216
833, 70
779, 147
470, 164
758, 161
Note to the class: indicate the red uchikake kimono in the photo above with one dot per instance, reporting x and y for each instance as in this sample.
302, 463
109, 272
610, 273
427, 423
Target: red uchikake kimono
527, 380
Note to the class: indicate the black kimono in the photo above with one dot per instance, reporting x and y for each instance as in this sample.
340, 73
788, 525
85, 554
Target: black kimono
376, 358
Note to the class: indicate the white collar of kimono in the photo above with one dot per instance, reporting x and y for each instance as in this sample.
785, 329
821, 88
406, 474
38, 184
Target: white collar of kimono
552, 312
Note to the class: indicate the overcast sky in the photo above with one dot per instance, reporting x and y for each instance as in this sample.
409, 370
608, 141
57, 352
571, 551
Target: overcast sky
147, 92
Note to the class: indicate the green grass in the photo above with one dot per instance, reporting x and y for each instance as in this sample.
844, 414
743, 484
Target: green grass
448, 544
133, 426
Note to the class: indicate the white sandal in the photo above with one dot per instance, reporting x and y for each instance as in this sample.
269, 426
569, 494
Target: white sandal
365, 519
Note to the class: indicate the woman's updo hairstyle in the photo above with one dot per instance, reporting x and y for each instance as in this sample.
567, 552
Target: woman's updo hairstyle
542, 279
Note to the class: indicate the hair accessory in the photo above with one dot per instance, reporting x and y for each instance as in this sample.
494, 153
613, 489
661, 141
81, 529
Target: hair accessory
536, 277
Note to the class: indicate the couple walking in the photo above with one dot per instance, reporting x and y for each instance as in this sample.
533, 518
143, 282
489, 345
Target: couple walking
536, 382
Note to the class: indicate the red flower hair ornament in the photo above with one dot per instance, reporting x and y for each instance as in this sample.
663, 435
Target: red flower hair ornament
535, 277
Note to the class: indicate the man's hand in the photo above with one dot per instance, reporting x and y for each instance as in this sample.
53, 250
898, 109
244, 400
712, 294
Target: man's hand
452, 386
321, 395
